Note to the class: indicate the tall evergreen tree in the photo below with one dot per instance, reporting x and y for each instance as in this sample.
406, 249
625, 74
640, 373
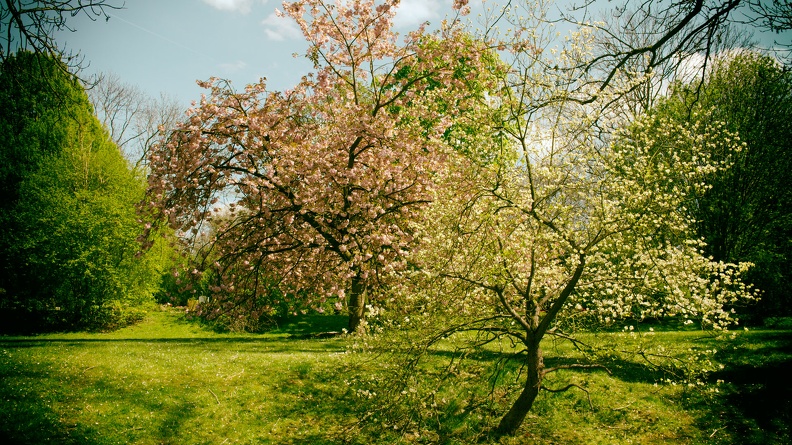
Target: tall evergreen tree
68, 206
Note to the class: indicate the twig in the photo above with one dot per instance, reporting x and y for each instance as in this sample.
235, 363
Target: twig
715, 432
622, 407
88, 369
572, 385
578, 366
215, 396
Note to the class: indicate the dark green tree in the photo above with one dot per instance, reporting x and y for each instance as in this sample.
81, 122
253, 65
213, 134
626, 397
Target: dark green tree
747, 214
68, 248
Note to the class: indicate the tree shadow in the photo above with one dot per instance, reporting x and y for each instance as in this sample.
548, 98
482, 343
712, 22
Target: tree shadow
205, 344
312, 326
754, 405
25, 419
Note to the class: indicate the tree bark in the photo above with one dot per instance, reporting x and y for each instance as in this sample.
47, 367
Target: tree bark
356, 305
534, 367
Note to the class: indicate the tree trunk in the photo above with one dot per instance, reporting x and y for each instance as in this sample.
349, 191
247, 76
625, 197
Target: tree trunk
356, 305
534, 368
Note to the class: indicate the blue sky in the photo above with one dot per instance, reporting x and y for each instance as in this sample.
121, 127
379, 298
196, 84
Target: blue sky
165, 46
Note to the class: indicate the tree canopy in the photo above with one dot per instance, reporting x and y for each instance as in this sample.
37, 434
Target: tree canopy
70, 226
745, 215
315, 188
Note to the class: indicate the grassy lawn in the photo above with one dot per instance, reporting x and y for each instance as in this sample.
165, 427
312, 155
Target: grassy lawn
164, 381
169, 381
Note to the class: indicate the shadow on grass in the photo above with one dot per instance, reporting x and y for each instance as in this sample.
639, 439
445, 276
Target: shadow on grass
209, 344
37, 425
25, 419
12, 342
320, 395
311, 325
625, 370
299, 326
755, 404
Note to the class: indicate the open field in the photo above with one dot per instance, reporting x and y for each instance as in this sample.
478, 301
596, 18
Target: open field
169, 381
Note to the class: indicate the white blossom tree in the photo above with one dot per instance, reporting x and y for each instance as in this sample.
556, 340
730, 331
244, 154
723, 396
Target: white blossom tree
570, 219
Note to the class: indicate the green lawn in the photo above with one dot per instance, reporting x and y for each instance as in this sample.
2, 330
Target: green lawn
169, 381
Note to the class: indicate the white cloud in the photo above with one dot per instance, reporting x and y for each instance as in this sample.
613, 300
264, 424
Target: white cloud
412, 13
281, 28
233, 67
242, 6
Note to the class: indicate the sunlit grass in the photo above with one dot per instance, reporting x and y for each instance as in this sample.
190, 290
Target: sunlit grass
171, 381
163, 381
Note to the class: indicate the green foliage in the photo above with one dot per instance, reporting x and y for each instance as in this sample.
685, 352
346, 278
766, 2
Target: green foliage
746, 214
473, 133
70, 254
38, 104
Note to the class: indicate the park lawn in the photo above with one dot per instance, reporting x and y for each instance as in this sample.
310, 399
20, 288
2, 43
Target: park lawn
164, 381
170, 381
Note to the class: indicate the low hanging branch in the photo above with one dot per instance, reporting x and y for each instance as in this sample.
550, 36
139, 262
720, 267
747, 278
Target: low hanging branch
567, 388
576, 366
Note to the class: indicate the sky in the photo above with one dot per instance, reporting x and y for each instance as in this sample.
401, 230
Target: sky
164, 46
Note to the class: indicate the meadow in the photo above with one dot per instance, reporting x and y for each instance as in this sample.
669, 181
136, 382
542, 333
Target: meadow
167, 380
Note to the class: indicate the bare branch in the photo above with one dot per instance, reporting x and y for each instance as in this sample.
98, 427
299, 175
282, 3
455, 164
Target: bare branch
577, 366
568, 387
30, 26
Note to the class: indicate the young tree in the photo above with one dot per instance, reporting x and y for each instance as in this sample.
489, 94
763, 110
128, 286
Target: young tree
575, 227
569, 219
322, 181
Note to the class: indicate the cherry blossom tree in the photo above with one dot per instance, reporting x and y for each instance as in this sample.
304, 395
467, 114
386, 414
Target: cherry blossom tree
312, 190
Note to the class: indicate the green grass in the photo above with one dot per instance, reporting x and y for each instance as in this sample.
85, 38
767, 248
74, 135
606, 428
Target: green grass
170, 381
748, 401
163, 381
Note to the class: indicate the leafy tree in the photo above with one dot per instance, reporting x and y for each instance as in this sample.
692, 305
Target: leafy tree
70, 248
576, 229
745, 216
323, 181
32, 132
569, 222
